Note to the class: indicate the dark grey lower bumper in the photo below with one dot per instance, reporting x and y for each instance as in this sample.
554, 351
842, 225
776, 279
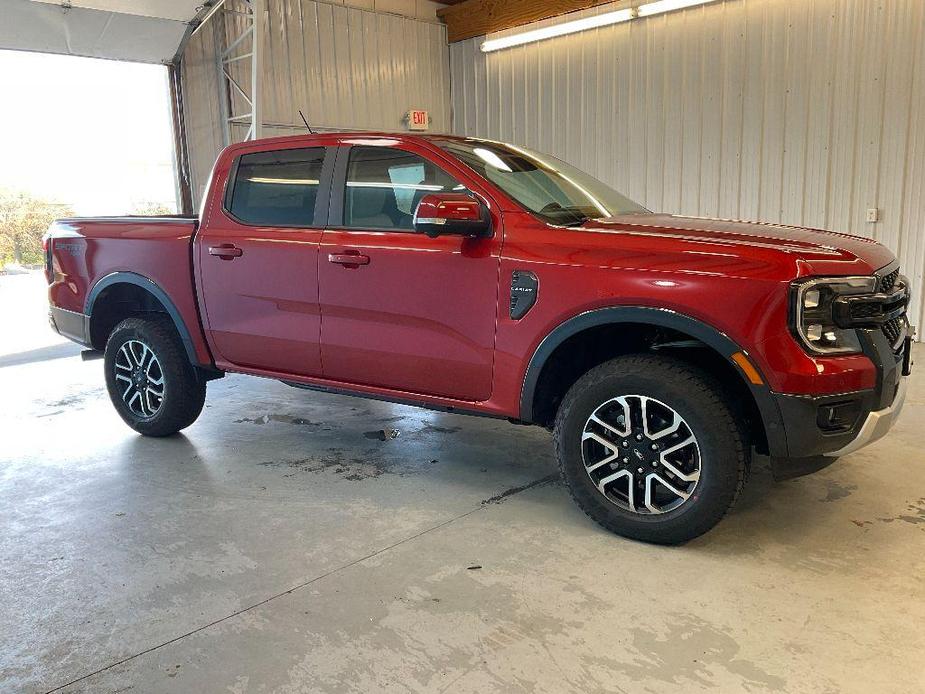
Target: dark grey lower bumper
876, 424
819, 449
72, 325
820, 429
805, 421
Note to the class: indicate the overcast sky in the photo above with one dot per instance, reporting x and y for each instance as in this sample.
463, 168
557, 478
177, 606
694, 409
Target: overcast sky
91, 133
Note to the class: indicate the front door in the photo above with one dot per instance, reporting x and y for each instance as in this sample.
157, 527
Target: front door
400, 310
258, 262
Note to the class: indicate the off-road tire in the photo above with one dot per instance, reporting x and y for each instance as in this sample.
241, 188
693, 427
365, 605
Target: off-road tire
184, 391
695, 396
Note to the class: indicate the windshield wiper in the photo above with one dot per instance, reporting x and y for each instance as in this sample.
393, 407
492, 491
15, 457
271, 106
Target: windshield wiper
579, 216
574, 215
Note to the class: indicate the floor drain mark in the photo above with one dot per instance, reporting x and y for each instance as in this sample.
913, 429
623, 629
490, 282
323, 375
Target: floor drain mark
382, 434
498, 498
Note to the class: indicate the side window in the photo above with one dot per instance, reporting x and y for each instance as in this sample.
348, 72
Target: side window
385, 185
277, 189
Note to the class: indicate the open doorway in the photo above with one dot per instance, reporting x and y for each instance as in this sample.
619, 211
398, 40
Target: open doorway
82, 136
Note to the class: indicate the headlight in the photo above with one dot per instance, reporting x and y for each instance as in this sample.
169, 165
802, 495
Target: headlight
813, 313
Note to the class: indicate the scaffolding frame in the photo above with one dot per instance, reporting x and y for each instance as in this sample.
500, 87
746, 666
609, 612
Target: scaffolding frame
246, 45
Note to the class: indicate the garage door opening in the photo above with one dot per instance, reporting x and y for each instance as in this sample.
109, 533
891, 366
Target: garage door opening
82, 136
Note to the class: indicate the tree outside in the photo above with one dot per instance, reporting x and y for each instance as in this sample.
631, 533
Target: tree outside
24, 219
153, 209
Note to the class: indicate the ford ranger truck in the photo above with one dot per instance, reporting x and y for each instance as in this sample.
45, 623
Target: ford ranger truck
472, 276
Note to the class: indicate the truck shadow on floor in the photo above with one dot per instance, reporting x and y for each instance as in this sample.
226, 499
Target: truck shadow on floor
62, 351
488, 459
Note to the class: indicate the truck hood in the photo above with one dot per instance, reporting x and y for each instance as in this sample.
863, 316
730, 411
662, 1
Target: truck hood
823, 251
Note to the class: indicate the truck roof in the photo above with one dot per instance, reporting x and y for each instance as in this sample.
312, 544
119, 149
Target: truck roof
339, 136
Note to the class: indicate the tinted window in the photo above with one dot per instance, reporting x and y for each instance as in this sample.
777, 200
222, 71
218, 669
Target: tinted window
385, 185
278, 188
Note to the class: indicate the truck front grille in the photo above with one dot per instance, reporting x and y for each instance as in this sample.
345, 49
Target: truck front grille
895, 329
887, 282
862, 311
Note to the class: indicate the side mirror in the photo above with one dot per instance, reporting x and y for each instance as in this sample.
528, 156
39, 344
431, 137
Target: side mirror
452, 213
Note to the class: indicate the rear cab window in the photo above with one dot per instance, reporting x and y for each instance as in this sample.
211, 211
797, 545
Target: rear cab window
277, 188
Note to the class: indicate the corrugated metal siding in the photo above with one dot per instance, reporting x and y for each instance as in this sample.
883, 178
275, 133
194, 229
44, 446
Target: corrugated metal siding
201, 113
804, 112
346, 68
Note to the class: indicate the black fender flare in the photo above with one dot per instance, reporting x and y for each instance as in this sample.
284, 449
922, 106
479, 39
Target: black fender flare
158, 293
710, 336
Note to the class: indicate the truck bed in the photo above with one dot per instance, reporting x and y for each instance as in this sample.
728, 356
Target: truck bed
86, 254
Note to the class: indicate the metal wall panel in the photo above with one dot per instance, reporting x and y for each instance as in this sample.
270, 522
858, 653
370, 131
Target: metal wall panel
201, 113
347, 69
797, 111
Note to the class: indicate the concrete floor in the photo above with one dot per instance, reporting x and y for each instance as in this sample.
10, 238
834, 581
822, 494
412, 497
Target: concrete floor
279, 546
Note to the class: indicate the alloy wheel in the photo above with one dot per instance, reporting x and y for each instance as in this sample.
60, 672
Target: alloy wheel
641, 454
139, 373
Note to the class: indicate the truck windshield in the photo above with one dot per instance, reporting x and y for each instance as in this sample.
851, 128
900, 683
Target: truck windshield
554, 191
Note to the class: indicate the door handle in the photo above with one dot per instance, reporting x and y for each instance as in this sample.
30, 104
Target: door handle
348, 259
226, 251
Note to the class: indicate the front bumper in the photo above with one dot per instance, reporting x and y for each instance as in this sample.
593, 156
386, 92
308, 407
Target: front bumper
817, 430
876, 425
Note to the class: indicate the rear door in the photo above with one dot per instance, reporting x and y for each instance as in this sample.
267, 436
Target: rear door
258, 261
413, 313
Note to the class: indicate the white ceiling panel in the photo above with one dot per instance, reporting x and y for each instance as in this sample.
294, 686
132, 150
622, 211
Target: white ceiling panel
32, 25
179, 10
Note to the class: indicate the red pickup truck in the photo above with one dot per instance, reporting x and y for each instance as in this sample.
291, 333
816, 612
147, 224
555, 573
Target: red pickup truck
478, 277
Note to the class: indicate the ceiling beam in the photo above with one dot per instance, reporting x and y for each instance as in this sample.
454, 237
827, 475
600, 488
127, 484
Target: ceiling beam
479, 17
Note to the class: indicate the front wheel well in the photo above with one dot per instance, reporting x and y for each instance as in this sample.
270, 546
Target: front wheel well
591, 347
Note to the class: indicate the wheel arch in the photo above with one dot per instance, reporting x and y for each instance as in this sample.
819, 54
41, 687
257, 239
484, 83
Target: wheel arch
120, 285
718, 342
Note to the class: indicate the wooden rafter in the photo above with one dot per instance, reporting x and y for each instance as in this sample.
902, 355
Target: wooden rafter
467, 18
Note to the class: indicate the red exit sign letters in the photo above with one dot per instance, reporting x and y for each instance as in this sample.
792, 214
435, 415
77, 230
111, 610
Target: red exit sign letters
418, 120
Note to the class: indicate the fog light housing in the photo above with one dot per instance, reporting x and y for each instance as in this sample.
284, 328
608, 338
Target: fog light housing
838, 416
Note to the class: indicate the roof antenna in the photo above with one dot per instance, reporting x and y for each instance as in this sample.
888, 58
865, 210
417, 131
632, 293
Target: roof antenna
306, 122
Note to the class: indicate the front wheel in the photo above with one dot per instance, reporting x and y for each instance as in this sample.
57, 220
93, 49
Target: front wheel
650, 449
151, 382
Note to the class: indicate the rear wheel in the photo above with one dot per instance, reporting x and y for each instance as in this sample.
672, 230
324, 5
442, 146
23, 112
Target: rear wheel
650, 449
151, 382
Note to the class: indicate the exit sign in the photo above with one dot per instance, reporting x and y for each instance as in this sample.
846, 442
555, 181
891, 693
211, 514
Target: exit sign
418, 120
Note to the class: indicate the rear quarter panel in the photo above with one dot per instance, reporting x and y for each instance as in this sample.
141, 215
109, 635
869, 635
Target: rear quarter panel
87, 250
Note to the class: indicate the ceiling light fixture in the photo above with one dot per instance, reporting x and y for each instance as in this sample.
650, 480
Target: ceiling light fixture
593, 22
662, 6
